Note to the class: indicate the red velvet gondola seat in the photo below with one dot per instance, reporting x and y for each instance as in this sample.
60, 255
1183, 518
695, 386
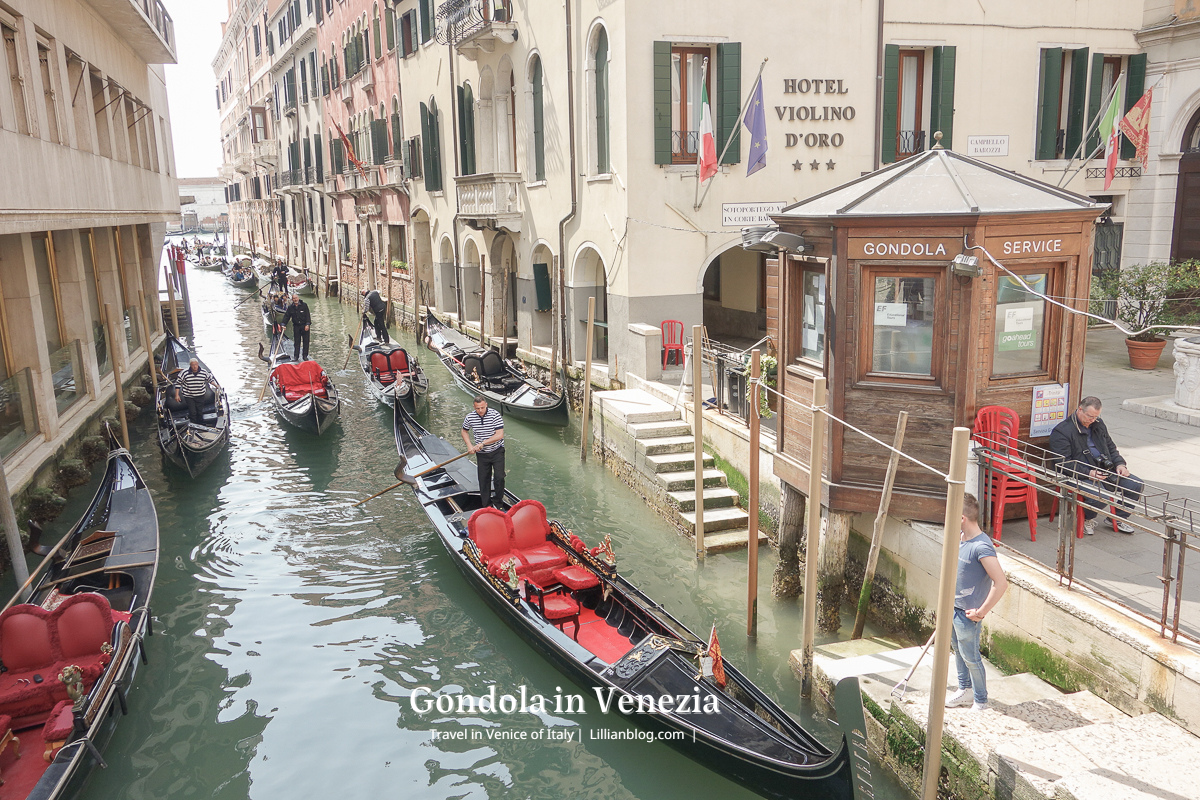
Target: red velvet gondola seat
36, 644
530, 537
299, 380
489, 529
398, 362
380, 368
576, 578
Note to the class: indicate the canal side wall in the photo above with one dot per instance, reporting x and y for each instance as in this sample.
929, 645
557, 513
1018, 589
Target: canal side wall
1067, 638
49, 470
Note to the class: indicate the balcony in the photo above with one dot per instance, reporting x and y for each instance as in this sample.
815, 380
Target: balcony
475, 26
144, 25
243, 163
491, 200
289, 107
366, 79
227, 172
395, 173
290, 177
267, 151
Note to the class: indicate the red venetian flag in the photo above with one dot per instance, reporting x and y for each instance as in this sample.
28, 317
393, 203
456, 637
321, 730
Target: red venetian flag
707, 150
714, 652
1136, 126
349, 150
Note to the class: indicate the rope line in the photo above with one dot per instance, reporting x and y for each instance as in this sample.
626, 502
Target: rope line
758, 383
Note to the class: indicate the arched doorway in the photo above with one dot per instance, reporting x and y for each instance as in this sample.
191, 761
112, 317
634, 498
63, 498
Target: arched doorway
471, 281
588, 280
503, 285
447, 278
1185, 240
733, 290
542, 299
422, 258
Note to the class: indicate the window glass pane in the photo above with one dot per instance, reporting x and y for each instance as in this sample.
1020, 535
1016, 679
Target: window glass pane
908, 93
694, 82
812, 320
41, 262
676, 89
903, 326
1020, 324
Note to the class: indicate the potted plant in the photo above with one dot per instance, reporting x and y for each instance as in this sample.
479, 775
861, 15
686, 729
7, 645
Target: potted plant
1151, 296
768, 368
399, 266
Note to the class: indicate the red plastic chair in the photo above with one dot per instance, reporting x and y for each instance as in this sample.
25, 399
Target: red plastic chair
996, 428
672, 340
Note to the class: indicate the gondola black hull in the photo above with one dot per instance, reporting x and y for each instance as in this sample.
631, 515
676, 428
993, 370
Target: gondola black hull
310, 413
814, 773
191, 460
411, 389
191, 447
522, 397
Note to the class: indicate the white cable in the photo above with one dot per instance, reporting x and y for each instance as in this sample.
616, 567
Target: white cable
1051, 300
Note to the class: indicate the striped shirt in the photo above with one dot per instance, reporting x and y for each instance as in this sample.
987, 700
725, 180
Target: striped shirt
482, 428
192, 384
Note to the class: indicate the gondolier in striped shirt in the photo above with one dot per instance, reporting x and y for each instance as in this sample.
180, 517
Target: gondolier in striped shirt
190, 388
487, 426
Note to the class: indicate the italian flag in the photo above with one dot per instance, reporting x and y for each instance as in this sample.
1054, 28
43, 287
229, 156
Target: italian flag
1111, 132
707, 155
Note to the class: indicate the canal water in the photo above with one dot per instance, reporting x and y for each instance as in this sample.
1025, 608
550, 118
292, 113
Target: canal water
291, 629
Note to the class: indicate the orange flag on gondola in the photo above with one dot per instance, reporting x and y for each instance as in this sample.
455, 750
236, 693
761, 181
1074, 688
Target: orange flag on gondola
350, 150
714, 652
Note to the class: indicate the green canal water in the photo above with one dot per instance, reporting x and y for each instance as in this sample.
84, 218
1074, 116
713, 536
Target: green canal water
290, 629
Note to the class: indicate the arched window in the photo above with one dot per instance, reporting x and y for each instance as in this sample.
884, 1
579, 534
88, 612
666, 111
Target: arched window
603, 164
466, 129
539, 120
375, 32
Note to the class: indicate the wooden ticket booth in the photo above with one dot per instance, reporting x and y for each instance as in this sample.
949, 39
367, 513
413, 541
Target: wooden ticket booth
876, 304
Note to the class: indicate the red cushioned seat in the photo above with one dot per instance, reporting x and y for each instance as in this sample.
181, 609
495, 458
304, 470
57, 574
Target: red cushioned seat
576, 578
398, 361
530, 533
298, 380
380, 369
61, 722
559, 606
488, 528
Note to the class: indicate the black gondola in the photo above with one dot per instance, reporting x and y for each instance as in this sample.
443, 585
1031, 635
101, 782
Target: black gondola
88, 610
570, 603
303, 394
192, 446
241, 276
391, 371
482, 371
274, 308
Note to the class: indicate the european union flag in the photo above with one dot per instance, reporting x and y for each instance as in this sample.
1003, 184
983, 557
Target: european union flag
756, 122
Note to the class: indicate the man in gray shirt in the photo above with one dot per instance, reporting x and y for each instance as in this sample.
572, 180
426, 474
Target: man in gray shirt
981, 584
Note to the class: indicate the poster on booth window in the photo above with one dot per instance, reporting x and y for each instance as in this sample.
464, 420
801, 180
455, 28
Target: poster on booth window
1049, 408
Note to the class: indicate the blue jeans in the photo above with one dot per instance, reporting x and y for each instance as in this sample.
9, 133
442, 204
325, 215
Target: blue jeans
964, 639
1129, 488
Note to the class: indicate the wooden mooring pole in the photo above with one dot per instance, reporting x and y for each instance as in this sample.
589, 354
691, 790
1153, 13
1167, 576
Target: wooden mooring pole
812, 538
951, 536
171, 294
885, 501
149, 348
752, 544
587, 380
698, 430
116, 365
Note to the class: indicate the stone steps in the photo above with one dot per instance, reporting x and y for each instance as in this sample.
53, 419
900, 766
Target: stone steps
719, 519
716, 497
1033, 742
676, 462
659, 429
731, 540
683, 481
666, 444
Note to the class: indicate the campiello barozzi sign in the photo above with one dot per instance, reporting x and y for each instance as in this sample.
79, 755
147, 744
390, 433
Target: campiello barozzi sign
825, 109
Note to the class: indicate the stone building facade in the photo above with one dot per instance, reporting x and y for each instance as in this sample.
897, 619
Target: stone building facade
85, 139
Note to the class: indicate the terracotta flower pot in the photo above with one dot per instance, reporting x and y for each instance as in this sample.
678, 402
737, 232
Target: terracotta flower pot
1144, 355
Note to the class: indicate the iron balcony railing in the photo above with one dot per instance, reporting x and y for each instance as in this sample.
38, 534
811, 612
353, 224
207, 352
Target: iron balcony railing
684, 146
459, 21
156, 12
909, 143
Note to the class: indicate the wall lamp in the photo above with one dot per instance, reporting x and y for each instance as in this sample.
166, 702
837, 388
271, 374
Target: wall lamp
771, 240
965, 265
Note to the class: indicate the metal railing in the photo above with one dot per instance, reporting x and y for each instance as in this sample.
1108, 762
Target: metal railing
460, 20
684, 146
1118, 172
909, 143
18, 423
156, 12
1175, 521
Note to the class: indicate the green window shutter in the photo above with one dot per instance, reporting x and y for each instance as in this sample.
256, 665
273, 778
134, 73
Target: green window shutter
425, 137
426, 27
1135, 85
662, 102
466, 130
541, 286
1095, 99
1049, 94
375, 33
435, 144
1076, 121
891, 98
318, 153
469, 103
397, 140
941, 115
602, 159
539, 123
729, 100
389, 18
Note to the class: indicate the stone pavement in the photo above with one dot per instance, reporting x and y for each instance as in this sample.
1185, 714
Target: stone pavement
1162, 453
1032, 743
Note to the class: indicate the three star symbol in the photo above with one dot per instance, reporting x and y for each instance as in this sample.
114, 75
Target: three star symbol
796, 165
815, 164
829, 164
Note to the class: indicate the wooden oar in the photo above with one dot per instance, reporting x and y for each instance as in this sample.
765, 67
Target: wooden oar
244, 299
38, 570
267, 383
350, 340
411, 480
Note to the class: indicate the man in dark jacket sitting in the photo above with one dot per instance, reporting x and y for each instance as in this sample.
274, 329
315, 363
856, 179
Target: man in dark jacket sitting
1087, 453
300, 317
